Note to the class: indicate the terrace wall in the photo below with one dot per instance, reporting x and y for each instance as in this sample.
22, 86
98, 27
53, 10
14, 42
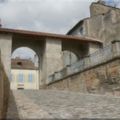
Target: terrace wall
98, 73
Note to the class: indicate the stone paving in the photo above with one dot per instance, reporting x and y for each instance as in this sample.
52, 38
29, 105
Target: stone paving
49, 104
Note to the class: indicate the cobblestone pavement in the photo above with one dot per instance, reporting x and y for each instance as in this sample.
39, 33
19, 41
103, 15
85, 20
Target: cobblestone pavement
38, 104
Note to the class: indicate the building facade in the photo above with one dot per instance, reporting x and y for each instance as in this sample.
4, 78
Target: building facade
103, 24
24, 74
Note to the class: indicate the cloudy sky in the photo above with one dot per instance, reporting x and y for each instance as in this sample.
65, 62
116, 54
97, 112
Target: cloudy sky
55, 16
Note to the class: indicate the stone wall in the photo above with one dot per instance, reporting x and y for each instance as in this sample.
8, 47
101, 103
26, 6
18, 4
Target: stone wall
103, 79
99, 8
99, 73
4, 91
103, 24
5, 48
52, 59
49, 51
104, 27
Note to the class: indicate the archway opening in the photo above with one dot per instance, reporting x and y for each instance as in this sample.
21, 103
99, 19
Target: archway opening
24, 69
69, 57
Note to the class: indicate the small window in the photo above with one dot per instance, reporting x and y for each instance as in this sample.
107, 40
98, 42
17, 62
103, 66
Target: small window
30, 77
20, 78
19, 63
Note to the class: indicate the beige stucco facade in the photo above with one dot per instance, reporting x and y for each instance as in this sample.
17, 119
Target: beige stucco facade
26, 83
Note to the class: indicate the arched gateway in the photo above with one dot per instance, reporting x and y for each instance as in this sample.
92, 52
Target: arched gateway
47, 46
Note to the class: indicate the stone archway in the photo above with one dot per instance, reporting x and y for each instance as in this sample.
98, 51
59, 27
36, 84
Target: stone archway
69, 57
48, 47
36, 46
74, 51
25, 64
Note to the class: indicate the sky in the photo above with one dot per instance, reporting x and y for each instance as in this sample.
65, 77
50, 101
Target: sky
54, 16
24, 52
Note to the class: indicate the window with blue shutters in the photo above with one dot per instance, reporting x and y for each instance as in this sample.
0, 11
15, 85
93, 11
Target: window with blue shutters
30, 77
20, 78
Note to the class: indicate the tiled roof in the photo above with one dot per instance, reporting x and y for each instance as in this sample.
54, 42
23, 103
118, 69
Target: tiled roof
18, 63
48, 35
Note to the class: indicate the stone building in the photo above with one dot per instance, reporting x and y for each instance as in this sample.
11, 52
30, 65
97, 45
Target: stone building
55, 51
103, 24
97, 69
87, 59
24, 74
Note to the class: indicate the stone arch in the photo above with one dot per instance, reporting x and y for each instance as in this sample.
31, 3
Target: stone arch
29, 50
36, 46
69, 57
33, 47
77, 49
33, 58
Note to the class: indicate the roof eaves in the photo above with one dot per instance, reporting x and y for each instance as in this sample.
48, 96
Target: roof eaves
50, 35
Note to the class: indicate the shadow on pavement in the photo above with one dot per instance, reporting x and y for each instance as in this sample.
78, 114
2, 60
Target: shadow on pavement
12, 112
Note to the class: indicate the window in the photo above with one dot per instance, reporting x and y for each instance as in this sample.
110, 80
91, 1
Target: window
30, 77
19, 63
20, 78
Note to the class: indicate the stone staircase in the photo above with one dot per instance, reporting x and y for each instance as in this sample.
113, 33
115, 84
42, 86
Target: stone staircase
51, 104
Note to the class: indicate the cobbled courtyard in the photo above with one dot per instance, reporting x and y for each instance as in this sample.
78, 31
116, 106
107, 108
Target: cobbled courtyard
50, 104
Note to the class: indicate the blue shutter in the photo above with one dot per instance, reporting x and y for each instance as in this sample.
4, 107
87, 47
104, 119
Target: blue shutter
20, 78
30, 77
